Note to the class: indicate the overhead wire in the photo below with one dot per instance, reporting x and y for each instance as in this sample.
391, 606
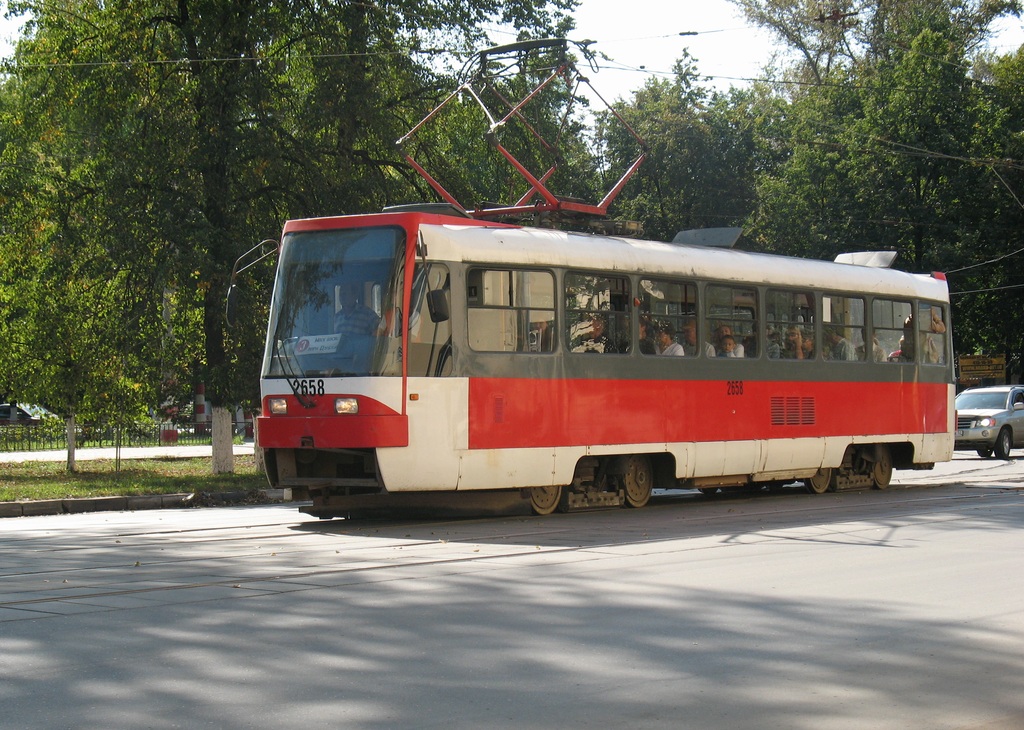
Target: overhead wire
592, 57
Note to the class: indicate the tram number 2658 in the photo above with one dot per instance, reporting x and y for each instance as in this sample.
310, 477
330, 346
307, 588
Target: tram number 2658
308, 386
734, 387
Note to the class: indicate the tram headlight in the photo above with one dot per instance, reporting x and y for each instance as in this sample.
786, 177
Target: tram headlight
346, 406
278, 406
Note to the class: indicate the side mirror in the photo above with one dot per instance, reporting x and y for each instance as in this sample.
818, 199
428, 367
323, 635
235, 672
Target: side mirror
437, 305
262, 250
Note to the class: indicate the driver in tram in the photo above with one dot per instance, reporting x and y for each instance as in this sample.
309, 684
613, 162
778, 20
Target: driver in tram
354, 318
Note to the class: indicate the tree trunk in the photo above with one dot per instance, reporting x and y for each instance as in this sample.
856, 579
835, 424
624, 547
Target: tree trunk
223, 447
257, 452
70, 431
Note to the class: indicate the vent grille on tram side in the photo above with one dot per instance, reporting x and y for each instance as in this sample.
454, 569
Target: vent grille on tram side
793, 410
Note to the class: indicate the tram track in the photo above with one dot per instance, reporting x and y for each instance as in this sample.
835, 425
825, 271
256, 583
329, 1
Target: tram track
403, 546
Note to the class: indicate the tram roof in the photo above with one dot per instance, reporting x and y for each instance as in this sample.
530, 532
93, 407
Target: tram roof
546, 247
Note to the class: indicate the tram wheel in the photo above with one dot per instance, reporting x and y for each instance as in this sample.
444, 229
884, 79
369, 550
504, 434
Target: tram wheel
820, 482
545, 500
881, 472
638, 480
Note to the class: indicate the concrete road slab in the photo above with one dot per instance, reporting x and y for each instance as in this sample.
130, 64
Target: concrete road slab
791, 611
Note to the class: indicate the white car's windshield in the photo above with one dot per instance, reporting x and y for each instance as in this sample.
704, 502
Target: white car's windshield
993, 400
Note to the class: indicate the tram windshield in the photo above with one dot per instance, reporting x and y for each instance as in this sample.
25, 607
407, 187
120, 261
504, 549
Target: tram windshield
335, 306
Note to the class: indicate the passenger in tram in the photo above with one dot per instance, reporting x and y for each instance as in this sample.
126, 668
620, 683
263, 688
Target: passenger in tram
596, 339
775, 346
793, 346
839, 348
354, 318
808, 343
666, 341
908, 343
933, 349
728, 347
647, 345
689, 340
877, 353
540, 337
897, 354
722, 332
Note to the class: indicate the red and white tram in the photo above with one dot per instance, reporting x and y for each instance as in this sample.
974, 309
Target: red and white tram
418, 352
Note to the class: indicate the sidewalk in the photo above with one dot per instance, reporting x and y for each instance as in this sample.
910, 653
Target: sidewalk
157, 501
136, 452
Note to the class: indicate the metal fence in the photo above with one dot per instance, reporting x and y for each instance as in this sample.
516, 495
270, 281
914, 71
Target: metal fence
52, 435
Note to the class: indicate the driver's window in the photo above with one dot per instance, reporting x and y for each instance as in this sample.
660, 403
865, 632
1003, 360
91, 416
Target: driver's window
430, 348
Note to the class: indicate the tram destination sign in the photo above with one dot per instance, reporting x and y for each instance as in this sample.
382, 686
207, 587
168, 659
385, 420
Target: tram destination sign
982, 367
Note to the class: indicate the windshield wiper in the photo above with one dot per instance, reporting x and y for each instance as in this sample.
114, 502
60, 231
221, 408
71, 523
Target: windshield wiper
290, 375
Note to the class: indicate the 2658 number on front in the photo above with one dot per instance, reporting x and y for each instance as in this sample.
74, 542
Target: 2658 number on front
308, 386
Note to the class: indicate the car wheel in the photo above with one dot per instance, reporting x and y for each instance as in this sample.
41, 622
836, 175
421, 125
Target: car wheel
984, 453
1004, 442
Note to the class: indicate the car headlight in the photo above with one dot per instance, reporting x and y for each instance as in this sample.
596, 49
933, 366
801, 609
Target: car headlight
986, 422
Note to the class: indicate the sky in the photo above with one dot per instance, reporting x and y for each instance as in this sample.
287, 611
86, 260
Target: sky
729, 51
642, 37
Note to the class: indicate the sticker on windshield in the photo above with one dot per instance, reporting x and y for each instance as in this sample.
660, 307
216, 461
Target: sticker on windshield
317, 344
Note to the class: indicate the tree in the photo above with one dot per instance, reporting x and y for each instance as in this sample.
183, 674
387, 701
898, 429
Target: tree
196, 127
988, 277
843, 35
77, 329
704, 150
897, 145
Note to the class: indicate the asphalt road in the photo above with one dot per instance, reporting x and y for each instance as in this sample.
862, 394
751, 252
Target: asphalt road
896, 609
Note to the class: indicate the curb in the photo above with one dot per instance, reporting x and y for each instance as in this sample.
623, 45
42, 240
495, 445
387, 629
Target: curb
131, 504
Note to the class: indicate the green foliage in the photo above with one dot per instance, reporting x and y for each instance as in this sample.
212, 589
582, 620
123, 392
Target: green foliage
889, 133
704, 152
147, 143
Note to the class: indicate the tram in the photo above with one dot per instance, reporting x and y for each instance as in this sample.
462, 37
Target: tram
420, 351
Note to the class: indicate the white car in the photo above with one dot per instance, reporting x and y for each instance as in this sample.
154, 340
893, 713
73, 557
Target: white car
990, 420
21, 417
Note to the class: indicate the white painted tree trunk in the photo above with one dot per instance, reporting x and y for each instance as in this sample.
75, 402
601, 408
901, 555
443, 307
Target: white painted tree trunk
257, 452
223, 447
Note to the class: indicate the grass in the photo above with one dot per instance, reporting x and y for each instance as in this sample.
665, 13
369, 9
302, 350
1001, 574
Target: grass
51, 480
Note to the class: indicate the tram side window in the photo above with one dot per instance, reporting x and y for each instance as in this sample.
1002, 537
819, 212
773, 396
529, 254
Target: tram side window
430, 333
789, 330
668, 315
731, 321
888, 318
842, 336
511, 310
932, 325
597, 313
